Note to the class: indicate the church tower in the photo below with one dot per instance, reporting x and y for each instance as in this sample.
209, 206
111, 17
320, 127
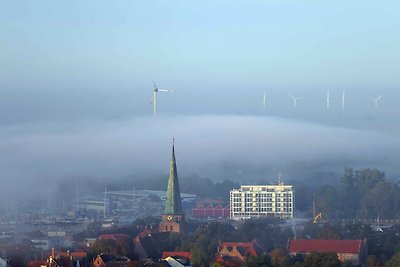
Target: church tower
173, 219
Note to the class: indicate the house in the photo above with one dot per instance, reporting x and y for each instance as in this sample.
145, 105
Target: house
236, 253
102, 260
177, 262
182, 254
148, 245
61, 258
107, 260
72, 258
177, 258
354, 251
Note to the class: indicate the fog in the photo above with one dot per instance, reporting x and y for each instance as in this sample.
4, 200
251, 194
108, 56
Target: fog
244, 148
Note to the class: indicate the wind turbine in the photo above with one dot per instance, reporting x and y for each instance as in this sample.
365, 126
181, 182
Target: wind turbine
343, 102
327, 100
265, 99
153, 99
295, 99
376, 99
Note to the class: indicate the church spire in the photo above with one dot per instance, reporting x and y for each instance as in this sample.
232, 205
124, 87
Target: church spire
173, 204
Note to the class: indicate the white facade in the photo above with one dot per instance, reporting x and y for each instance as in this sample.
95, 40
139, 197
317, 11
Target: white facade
253, 201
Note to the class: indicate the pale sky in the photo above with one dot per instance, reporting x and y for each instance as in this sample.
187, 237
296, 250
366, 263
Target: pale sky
99, 47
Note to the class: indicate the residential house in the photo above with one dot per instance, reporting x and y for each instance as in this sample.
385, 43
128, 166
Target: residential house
354, 251
107, 260
236, 253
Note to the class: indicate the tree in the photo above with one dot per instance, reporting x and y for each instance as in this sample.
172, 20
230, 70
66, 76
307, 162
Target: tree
218, 264
373, 260
328, 201
262, 260
382, 200
358, 184
329, 232
326, 259
350, 197
199, 258
367, 178
279, 257
394, 260
302, 196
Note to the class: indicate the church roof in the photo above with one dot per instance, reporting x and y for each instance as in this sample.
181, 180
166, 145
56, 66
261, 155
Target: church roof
173, 204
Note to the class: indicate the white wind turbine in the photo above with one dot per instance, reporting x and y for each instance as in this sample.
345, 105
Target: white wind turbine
327, 100
343, 99
376, 99
295, 99
153, 99
265, 99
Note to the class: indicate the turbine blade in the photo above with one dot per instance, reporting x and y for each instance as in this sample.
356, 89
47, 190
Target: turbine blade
154, 83
379, 97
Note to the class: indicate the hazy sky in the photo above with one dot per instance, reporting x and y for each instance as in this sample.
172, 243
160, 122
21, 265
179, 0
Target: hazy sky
75, 84
85, 55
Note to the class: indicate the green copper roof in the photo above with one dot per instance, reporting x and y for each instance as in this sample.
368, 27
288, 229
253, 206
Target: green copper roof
173, 204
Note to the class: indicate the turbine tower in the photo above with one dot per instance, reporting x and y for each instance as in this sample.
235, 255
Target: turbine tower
343, 102
295, 99
376, 99
265, 99
153, 99
327, 100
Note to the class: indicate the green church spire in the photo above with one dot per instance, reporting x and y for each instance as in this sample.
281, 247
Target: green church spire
173, 204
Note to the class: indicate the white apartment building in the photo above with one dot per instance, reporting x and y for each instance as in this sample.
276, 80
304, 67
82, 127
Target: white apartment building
253, 201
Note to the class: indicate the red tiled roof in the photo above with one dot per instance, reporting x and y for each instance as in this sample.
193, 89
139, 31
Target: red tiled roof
315, 245
249, 246
76, 254
183, 254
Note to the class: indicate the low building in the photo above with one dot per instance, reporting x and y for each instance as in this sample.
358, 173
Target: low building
103, 260
172, 261
354, 251
254, 201
107, 260
62, 258
236, 253
72, 258
211, 210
